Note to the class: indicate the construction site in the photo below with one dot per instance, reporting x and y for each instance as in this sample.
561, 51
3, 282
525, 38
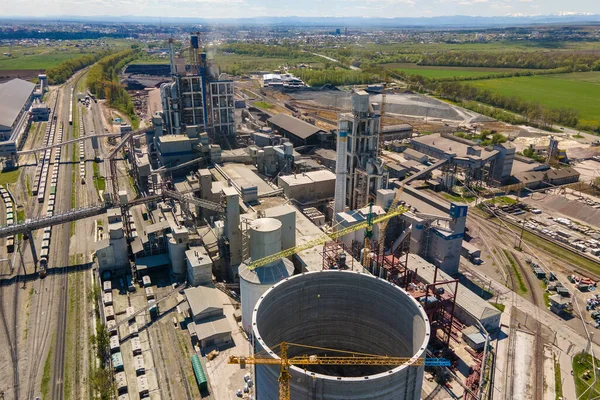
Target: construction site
232, 251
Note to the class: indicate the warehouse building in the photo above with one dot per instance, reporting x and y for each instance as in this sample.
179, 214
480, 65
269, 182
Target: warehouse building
209, 327
204, 303
299, 132
15, 100
554, 177
396, 132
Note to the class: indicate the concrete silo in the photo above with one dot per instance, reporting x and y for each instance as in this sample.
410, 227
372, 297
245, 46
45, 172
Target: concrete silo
347, 311
265, 240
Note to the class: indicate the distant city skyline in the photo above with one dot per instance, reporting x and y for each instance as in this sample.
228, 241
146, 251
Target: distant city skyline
300, 8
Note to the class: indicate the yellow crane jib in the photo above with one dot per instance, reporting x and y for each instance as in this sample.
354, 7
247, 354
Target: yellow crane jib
393, 212
286, 362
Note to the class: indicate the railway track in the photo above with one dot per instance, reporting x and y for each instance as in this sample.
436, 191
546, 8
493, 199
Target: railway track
61, 327
158, 342
39, 327
533, 288
62, 260
173, 341
13, 343
495, 252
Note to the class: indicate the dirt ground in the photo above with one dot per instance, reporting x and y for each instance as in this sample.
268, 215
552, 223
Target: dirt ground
26, 74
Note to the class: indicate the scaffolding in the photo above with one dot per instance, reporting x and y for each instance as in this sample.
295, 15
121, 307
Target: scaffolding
336, 256
438, 298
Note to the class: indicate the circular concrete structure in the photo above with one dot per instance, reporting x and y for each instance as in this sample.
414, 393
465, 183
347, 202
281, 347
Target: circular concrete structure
265, 240
341, 310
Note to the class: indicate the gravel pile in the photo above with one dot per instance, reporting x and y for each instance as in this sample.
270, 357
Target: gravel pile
410, 104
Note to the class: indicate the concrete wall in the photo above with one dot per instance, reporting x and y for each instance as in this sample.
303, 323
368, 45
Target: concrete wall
342, 310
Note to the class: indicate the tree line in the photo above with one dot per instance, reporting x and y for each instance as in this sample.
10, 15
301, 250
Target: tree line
498, 75
336, 77
63, 71
529, 60
287, 51
103, 81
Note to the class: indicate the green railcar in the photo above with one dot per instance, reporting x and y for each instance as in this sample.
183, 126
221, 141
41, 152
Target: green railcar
199, 372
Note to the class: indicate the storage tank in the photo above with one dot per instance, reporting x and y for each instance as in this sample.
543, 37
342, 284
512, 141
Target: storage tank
286, 214
177, 255
265, 240
342, 310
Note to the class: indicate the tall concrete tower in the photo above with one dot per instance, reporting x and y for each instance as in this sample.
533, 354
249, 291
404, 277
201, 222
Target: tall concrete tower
365, 173
341, 172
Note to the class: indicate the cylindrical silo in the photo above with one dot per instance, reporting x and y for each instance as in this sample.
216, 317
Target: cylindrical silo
265, 240
341, 310
176, 255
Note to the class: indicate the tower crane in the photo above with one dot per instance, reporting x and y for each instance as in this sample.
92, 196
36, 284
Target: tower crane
393, 212
349, 358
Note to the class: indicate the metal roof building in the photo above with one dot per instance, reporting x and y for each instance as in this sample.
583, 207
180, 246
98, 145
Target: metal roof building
203, 302
214, 332
299, 132
15, 99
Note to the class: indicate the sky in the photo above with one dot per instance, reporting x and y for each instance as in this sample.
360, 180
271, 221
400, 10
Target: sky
302, 8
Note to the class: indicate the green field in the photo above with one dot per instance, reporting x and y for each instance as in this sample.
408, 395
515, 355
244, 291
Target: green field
580, 91
582, 364
446, 72
42, 57
238, 63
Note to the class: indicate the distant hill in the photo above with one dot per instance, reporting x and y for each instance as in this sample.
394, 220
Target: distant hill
456, 21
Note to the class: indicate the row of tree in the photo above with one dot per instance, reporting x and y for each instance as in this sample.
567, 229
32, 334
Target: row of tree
103, 81
336, 77
496, 75
262, 50
579, 62
66, 69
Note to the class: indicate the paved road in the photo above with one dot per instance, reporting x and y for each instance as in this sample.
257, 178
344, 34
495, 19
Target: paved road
352, 67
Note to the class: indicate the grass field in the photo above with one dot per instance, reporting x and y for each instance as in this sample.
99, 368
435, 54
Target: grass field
9, 177
445, 72
42, 57
237, 63
582, 363
246, 63
580, 91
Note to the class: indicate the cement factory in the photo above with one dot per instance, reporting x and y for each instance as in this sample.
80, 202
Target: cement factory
311, 258
311, 255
